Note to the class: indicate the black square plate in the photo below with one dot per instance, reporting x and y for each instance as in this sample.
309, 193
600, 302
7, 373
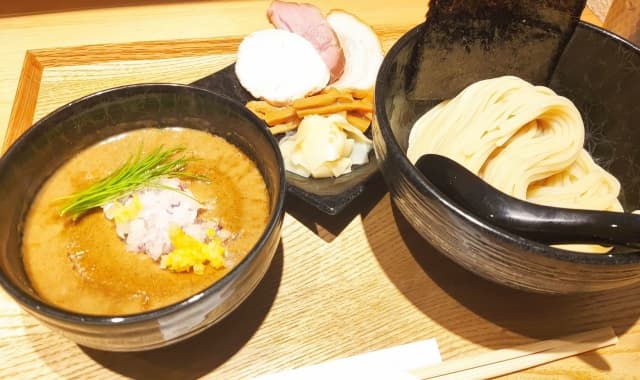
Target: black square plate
329, 195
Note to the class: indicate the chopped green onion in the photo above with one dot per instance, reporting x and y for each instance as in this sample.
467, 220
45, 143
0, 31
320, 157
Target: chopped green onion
136, 173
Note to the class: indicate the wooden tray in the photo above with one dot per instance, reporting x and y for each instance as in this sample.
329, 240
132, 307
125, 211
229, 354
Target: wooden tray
338, 286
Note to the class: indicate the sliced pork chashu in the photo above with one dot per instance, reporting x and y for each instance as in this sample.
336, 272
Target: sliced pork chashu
308, 21
280, 66
362, 50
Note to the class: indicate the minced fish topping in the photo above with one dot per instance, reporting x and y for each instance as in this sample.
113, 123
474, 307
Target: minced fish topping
162, 222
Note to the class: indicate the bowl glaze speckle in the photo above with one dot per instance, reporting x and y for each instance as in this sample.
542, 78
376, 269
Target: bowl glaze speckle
600, 73
60, 135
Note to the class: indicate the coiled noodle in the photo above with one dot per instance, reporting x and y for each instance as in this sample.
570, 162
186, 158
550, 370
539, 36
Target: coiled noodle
525, 140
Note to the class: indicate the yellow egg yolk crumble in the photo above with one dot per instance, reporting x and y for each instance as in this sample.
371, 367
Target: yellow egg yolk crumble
191, 254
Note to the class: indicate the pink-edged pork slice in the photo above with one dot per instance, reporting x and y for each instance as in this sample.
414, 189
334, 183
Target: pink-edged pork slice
307, 21
279, 66
362, 49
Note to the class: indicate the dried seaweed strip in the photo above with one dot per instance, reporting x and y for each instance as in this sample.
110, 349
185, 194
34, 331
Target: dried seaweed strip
469, 40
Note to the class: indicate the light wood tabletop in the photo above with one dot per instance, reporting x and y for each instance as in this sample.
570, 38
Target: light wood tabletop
339, 285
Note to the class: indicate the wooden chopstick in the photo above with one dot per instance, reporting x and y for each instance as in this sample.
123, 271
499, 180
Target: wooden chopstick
502, 362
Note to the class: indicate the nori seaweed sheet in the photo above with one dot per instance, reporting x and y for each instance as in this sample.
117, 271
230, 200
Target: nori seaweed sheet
469, 40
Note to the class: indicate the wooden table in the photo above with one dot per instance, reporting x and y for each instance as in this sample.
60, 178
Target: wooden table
338, 286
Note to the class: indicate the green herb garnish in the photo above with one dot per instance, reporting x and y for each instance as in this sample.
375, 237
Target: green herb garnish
136, 173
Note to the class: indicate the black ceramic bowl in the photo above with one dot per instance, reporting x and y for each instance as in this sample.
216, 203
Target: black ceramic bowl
68, 130
600, 73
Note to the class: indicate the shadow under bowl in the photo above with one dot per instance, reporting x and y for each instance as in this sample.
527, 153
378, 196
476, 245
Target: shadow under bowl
600, 73
70, 129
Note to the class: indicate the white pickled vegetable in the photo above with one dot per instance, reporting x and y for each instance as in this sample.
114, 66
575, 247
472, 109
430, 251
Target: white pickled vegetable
324, 146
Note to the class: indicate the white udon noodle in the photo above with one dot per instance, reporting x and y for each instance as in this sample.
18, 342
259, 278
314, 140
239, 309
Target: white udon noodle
524, 140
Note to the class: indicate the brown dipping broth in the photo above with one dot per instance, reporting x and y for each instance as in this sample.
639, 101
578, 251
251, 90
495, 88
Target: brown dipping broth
84, 266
